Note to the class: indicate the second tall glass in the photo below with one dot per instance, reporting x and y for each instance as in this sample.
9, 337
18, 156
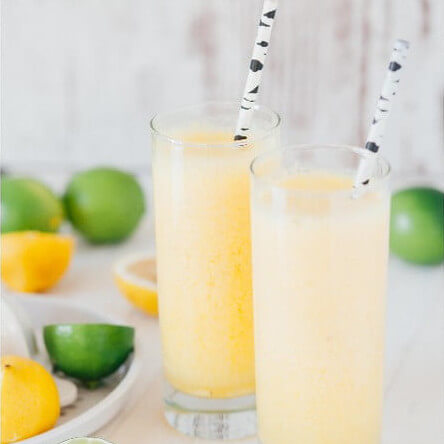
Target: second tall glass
202, 221
320, 251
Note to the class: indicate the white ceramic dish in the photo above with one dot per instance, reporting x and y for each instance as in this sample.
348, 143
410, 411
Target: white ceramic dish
94, 408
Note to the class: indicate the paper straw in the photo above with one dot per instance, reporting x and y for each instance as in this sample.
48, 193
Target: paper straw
385, 102
252, 86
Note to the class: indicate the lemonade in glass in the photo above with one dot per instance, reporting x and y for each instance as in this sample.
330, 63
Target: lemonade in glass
320, 251
202, 223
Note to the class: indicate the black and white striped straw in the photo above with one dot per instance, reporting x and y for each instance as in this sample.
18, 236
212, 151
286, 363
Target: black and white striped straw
385, 102
252, 86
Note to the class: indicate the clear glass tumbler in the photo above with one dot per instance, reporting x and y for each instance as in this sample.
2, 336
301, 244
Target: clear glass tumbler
320, 252
202, 224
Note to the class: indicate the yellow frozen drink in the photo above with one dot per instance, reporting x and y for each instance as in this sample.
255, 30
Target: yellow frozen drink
319, 271
203, 242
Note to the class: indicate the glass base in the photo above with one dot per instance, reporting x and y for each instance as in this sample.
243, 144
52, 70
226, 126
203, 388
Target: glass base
231, 418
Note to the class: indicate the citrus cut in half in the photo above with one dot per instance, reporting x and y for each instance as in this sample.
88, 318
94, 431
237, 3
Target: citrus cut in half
34, 261
136, 278
88, 352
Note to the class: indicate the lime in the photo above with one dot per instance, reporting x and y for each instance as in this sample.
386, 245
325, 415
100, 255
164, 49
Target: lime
417, 225
28, 204
89, 352
104, 204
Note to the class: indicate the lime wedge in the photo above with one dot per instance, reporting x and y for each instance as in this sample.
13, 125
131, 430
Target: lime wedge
88, 352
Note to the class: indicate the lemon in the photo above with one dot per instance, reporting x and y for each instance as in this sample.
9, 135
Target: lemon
33, 261
28, 204
88, 352
135, 276
30, 402
104, 204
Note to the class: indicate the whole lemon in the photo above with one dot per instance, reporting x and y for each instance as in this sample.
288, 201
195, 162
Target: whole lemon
32, 261
28, 204
30, 401
104, 204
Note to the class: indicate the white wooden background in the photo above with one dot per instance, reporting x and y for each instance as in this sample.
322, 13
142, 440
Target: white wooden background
82, 77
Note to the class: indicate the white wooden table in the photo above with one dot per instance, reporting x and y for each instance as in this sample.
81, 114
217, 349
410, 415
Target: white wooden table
414, 393
414, 377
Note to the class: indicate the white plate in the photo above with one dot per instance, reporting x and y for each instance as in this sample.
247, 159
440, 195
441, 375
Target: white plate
94, 408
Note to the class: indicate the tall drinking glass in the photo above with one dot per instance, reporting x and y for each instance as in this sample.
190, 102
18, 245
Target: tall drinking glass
319, 280
202, 224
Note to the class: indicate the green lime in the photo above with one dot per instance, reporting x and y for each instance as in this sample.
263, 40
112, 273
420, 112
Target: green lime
104, 204
28, 204
417, 225
89, 352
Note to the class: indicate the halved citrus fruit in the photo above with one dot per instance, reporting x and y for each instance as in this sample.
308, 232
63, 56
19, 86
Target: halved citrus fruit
34, 261
88, 352
136, 278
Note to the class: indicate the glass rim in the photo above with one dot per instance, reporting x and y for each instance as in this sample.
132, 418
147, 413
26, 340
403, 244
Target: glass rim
235, 143
363, 153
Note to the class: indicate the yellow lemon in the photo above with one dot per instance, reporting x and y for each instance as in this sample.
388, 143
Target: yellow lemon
34, 261
136, 278
30, 401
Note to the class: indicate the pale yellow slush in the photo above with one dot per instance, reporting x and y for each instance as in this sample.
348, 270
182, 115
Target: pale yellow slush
203, 242
320, 260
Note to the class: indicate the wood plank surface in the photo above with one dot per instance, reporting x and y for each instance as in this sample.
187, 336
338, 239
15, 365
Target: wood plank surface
80, 79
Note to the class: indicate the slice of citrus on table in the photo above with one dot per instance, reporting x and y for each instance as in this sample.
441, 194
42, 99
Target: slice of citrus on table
136, 278
34, 261
30, 401
88, 352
